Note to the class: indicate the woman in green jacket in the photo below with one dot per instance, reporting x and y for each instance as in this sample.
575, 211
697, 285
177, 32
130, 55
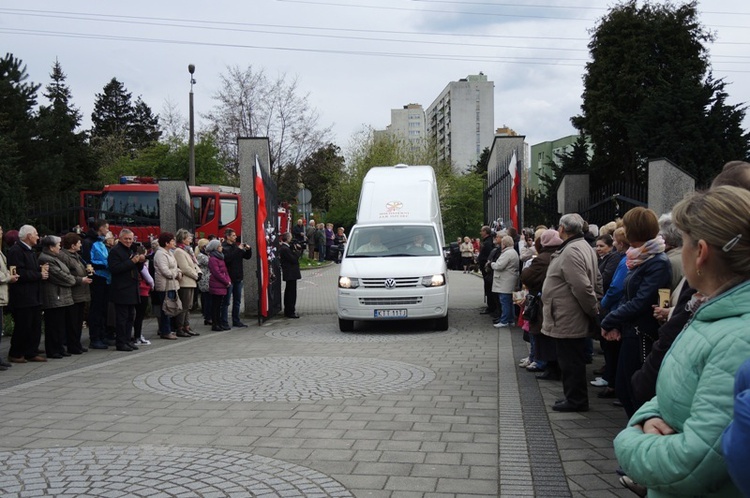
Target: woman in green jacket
672, 445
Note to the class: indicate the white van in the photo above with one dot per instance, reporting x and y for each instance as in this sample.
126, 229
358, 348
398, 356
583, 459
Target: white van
393, 266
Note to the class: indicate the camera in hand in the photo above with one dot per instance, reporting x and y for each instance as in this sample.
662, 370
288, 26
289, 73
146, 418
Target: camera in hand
139, 248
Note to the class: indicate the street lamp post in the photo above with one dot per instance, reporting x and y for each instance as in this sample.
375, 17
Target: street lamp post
191, 143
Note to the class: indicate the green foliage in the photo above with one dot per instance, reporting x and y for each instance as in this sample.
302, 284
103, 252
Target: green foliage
65, 162
17, 131
319, 171
483, 162
649, 92
162, 160
132, 125
462, 207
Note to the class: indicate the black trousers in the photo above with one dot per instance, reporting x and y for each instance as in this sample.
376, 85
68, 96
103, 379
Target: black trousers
492, 302
98, 309
27, 332
140, 315
74, 326
571, 356
124, 318
216, 304
290, 297
54, 330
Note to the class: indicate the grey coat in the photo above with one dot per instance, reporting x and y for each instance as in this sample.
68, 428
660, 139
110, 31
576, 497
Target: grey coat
81, 291
571, 290
56, 290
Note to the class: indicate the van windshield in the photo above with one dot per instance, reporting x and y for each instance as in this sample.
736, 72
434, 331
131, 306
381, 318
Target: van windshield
393, 241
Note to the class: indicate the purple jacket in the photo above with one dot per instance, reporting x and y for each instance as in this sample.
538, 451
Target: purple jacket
219, 279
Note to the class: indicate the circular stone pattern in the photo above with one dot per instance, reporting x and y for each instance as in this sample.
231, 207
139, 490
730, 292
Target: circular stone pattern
156, 471
296, 378
330, 333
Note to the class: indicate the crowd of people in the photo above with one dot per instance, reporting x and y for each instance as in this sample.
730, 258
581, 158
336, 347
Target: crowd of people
108, 282
668, 300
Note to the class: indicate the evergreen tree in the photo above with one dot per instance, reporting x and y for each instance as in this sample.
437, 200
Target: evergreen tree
144, 129
17, 132
113, 111
319, 171
65, 163
649, 92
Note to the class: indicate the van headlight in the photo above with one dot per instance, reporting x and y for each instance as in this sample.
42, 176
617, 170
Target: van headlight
433, 280
348, 283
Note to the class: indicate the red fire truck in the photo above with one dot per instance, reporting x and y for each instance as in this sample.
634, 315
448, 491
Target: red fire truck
134, 204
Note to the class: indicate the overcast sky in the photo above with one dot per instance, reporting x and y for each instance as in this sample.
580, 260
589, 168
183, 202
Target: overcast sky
357, 59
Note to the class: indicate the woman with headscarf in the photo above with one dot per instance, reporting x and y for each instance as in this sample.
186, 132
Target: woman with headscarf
202, 258
545, 356
218, 282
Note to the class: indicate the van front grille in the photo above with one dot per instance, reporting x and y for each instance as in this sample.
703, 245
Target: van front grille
400, 283
386, 301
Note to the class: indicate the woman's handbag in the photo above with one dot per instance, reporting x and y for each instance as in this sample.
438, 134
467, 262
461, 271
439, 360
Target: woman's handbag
531, 308
172, 306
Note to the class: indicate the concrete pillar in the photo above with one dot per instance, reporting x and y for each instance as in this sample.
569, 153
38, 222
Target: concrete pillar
573, 189
667, 185
175, 208
249, 149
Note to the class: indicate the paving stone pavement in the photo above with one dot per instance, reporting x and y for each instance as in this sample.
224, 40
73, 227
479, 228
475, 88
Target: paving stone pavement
297, 408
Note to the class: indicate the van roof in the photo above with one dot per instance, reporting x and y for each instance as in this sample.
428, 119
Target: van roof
400, 193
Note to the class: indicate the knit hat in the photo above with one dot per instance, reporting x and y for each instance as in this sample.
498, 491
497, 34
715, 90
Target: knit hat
213, 245
550, 237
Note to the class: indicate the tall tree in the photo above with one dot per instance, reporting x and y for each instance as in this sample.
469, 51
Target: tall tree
249, 104
17, 133
113, 111
65, 161
319, 172
649, 92
144, 129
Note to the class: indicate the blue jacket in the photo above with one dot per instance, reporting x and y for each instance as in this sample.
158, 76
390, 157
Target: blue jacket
694, 396
100, 260
612, 297
640, 292
736, 440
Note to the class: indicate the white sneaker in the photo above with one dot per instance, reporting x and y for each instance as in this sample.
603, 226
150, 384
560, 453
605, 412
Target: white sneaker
524, 363
499, 325
144, 341
599, 382
532, 366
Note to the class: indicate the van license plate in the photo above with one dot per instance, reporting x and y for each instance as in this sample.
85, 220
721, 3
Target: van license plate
390, 313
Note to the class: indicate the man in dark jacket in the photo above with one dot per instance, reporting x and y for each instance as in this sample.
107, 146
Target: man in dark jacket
289, 259
25, 298
234, 254
482, 258
124, 264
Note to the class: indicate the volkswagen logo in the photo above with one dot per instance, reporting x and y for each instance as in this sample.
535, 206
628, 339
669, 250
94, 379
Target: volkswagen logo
390, 283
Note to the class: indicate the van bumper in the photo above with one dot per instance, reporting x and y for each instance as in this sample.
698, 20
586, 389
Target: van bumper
420, 304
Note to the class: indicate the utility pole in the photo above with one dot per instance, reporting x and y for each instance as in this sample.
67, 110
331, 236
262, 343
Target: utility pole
191, 146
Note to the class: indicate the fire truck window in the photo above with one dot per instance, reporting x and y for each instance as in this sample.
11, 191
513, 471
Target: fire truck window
209, 204
197, 211
228, 211
125, 208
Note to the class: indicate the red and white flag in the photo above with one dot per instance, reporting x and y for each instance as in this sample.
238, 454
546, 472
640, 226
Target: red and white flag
513, 169
260, 235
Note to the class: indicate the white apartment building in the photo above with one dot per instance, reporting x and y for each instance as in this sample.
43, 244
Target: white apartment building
407, 126
461, 120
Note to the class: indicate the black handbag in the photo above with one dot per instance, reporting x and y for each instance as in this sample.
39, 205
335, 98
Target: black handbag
531, 308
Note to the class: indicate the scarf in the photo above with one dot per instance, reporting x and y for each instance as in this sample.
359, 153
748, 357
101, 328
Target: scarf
216, 254
189, 251
636, 256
